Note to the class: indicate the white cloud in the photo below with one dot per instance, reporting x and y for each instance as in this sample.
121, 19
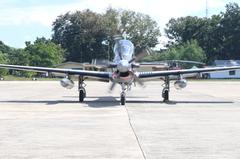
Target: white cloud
160, 10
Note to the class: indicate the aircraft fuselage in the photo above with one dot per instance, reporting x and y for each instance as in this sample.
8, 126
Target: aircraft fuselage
123, 50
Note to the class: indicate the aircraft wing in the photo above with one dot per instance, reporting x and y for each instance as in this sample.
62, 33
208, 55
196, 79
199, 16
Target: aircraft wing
153, 74
104, 75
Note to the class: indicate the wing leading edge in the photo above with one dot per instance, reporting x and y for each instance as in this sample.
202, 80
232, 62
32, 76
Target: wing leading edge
184, 71
104, 75
107, 75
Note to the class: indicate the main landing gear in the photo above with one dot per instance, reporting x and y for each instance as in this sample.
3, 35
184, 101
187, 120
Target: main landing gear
166, 89
123, 94
81, 88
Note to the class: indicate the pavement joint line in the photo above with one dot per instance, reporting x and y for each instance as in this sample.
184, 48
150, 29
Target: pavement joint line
135, 134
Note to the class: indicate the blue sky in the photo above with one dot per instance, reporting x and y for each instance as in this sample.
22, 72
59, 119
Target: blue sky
24, 20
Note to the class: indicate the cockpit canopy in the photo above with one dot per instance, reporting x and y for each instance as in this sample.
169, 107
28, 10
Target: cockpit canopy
123, 50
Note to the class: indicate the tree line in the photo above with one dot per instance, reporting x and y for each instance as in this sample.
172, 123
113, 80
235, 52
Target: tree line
81, 33
42, 52
218, 36
78, 37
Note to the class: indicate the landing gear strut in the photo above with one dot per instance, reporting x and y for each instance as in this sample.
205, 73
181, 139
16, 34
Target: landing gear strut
123, 94
81, 88
166, 89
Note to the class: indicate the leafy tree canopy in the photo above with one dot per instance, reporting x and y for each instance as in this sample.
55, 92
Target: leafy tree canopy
218, 35
189, 51
44, 52
81, 33
3, 59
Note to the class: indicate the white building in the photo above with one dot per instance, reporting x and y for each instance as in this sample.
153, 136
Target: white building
225, 74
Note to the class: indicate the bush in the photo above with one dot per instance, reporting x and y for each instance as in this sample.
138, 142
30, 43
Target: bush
189, 51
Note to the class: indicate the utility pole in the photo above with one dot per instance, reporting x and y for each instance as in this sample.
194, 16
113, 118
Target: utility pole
206, 8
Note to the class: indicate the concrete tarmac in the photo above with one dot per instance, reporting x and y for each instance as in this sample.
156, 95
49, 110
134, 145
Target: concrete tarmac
42, 120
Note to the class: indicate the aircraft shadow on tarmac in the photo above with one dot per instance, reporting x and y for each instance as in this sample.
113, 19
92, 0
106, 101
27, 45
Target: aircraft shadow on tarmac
95, 102
110, 101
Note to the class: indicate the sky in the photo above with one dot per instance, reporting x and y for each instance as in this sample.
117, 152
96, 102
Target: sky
24, 20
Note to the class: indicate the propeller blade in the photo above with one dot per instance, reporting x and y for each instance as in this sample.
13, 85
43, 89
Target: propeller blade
132, 60
112, 86
142, 53
140, 82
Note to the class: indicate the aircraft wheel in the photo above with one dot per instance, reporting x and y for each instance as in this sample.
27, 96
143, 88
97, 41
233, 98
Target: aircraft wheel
123, 99
165, 95
82, 95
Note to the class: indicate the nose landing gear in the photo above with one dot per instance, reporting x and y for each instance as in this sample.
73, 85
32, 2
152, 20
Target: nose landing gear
123, 94
166, 89
81, 88
123, 98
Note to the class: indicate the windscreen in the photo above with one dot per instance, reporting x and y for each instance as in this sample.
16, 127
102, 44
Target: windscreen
123, 50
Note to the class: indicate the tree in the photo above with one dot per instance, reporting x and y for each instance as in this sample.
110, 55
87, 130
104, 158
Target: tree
183, 29
44, 53
218, 35
4, 50
81, 33
230, 32
189, 51
139, 28
204, 30
3, 60
18, 57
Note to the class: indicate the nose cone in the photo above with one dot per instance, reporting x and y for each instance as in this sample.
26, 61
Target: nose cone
123, 66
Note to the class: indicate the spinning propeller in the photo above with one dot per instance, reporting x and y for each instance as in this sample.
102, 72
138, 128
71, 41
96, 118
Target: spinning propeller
142, 53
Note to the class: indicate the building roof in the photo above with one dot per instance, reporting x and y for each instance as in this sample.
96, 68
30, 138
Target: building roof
227, 62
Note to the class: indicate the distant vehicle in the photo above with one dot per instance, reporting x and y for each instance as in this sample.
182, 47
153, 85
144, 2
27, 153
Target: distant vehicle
124, 72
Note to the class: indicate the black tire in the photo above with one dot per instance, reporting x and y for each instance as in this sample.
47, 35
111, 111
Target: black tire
166, 95
82, 95
123, 99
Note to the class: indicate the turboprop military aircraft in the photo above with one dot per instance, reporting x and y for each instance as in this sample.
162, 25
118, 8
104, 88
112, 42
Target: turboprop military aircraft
124, 73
